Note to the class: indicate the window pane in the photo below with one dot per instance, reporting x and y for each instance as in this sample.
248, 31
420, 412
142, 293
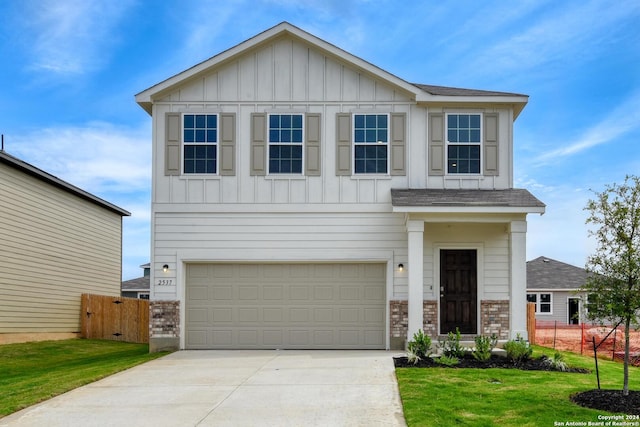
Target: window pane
359, 135
371, 158
200, 121
531, 297
212, 135
545, 308
463, 135
274, 121
274, 136
382, 121
474, 121
296, 135
463, 121
370, 121
297, 121
200, 135
545, 297
452, 135
188, 121
212, 121
358, 121
452, 121
189, 135
474, 135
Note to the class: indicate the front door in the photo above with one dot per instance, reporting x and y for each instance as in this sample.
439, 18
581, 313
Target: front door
458, 291
573, 311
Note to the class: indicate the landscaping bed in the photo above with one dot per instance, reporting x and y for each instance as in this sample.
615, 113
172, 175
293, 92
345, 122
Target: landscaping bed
610, 401
468, 361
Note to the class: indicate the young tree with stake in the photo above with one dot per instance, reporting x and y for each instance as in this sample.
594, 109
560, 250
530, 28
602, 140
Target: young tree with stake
614, 268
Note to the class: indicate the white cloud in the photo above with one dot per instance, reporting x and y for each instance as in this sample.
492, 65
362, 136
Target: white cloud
69, 37
553, 38
622, 120
97, 157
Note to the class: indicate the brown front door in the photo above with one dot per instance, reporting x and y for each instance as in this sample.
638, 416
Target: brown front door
458, 290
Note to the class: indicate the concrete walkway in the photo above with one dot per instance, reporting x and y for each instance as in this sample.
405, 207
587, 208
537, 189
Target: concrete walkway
234, 388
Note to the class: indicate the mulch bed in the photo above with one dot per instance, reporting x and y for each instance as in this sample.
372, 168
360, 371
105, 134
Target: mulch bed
610, 401
533, 364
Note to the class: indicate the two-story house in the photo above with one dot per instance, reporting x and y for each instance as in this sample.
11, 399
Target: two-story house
305, 198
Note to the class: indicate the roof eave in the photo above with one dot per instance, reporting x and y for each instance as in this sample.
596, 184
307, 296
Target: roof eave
518, 102
57, 182
470, 209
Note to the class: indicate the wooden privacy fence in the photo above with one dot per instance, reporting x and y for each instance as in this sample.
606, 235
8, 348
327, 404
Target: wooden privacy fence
115, 318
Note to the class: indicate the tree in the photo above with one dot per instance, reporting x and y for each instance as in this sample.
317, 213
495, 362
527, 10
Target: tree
614, 269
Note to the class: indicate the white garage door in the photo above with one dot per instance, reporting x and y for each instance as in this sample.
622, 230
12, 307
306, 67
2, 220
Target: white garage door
285, 306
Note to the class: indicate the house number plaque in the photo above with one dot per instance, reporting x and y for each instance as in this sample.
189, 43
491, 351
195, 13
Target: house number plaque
164, 282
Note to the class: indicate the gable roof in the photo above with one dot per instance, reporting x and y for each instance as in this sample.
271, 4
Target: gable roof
418, 92
512, 200
14, 162
549, 274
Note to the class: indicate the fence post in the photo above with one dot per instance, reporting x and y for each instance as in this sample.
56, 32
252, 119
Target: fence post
531, 322
582, 341
595, 356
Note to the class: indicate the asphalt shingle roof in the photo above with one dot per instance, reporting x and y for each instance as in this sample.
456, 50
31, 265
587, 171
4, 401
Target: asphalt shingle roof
513, 197
455, 91
137, 284
547, 273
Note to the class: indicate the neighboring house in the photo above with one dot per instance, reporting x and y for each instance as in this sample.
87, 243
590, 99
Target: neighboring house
57, 242
305, 198
138, 287
553, 287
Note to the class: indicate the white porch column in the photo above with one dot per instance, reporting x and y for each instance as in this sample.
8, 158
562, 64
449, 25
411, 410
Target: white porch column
518, 263
415, 230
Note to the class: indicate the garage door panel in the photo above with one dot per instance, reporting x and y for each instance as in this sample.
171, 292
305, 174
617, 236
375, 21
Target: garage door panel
285, 306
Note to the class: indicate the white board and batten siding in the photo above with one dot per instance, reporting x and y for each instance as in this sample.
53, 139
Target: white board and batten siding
54, 247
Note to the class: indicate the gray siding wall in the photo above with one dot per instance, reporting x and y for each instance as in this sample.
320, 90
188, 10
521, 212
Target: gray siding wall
54, 246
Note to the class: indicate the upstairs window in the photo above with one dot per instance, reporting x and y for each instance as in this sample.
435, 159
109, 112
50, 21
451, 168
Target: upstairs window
371, 143
200, 143
463, 143
286, 136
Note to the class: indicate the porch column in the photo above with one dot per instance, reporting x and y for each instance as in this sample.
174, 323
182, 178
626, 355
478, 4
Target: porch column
415, 230
518, 267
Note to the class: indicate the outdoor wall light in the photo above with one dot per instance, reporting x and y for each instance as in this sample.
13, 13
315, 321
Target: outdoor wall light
400, 267
165, 268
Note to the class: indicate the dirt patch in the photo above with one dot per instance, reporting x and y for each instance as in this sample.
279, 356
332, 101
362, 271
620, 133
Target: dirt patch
610, 401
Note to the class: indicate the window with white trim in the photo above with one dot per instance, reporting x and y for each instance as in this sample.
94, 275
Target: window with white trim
464, 141
371, 143
200, 143
543, 302
286, 136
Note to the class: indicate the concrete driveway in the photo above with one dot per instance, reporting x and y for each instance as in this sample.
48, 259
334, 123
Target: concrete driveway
234, 388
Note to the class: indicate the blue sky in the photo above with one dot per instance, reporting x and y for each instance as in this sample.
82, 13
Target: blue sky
70, 70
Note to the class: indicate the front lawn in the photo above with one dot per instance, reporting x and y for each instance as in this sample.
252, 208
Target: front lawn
505, 397
36, 371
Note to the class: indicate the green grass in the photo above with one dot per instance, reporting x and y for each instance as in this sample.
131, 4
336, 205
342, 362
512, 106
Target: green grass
36, 371
504, 397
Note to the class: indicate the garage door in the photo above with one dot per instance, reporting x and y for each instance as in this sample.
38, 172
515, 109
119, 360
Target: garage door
285, 306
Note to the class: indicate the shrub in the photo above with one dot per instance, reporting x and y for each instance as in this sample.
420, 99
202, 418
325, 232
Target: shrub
557, 362
518, 350
451, 345
484, 347
447, 360
419, 347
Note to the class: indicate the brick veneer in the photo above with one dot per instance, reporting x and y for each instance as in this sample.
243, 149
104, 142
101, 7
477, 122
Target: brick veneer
494, 319
400, 321
164, 325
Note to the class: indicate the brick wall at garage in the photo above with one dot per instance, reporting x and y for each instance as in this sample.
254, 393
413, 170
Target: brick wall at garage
165, 319
494, 318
